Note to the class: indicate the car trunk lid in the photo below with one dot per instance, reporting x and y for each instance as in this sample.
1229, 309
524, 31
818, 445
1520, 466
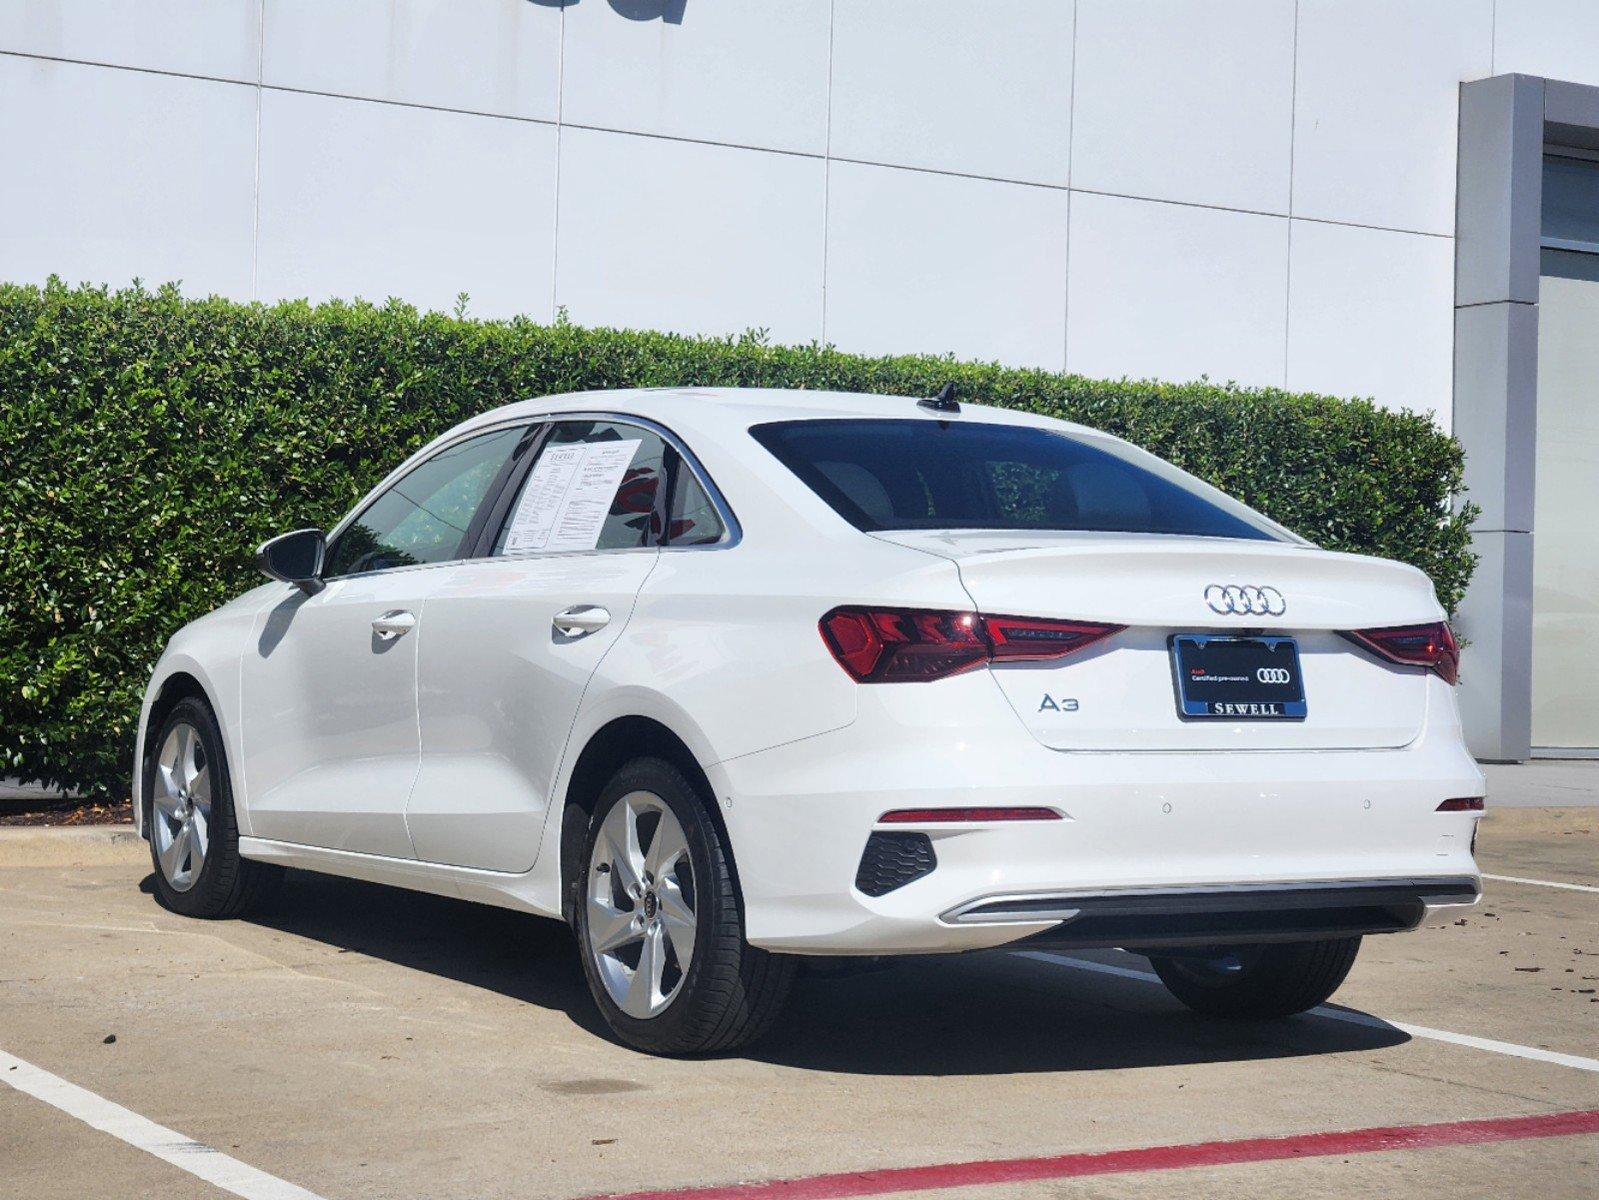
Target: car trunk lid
1121, 695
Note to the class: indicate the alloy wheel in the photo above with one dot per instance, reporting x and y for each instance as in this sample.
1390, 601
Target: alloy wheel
640, 907
181, 806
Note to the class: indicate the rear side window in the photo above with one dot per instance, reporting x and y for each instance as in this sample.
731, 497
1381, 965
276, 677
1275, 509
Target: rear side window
927, 474
694, 521
593, 486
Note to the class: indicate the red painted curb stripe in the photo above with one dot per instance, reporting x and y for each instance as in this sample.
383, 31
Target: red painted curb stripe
1149, 1158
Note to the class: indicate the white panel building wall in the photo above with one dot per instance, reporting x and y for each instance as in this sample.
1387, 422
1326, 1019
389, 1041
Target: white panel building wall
1255, 190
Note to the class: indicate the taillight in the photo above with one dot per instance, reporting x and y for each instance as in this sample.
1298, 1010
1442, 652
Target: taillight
1018, 639
1462, 804
879, 645
902, 645
1432, 646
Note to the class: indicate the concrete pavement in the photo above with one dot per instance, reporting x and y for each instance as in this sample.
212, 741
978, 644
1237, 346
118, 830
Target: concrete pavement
361, 1042
1544, 783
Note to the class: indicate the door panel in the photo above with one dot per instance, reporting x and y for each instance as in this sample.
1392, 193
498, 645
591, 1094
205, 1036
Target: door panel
331, 743
329, 714
512, 640
499, 687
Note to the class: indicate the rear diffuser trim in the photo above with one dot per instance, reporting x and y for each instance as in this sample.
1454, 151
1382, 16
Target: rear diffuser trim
1233, 914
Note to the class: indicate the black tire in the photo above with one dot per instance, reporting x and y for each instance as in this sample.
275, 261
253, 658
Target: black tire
730, 992
1272, 980
226, 885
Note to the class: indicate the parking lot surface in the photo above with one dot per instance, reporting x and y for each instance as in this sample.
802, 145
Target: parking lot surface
360, 1042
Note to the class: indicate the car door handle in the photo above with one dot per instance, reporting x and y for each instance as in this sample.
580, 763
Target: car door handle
393, 624
581, 619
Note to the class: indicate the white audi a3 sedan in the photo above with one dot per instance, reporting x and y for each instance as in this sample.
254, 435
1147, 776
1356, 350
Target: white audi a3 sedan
726, 678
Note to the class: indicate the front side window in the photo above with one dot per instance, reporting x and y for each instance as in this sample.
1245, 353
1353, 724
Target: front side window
594, 486
926, 474
423, 516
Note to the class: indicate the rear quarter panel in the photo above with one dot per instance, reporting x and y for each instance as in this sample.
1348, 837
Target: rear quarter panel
732, 636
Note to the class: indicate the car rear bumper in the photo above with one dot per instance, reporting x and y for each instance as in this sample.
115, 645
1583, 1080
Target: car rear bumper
1156, 918
1152, 848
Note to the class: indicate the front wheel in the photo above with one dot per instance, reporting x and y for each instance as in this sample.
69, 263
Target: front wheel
1272, 980
194, 836
659, 923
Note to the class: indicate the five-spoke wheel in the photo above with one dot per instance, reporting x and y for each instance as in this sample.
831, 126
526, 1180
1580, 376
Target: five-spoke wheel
180, 804
660, 922
641, 919
189, 819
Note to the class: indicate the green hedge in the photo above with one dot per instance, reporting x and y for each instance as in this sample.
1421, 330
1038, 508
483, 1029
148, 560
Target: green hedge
149, 442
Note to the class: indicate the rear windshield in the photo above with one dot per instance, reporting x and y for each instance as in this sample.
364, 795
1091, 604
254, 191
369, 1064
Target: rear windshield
928, 474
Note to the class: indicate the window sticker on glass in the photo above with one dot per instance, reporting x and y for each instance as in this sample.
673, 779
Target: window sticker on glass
567, 498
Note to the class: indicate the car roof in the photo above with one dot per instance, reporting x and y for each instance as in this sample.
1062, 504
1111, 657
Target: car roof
714, 423
690, 411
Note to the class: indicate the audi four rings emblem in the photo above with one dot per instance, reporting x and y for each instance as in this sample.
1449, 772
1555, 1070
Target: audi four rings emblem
1245, 600
1272, 674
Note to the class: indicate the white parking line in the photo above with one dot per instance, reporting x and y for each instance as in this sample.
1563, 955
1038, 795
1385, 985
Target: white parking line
1569, 887
1535, 1053
1083, 964
186, 1154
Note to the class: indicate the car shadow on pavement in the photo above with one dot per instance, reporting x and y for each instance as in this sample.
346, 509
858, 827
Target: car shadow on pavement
964, 1015
511, 953
991, 1014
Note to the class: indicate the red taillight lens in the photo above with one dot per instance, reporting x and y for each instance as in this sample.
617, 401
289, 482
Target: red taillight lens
1432, 646
1462, 804
1019, 639
902, 645
882, 645
945, 816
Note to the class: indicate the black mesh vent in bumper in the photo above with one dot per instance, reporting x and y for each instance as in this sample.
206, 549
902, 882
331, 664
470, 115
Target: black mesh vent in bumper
892, 860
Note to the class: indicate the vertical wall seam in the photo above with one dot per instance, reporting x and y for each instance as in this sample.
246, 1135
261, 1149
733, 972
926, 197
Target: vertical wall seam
1071, 142
1454, 262
1293, 128
555, 217
255, 198
1493, 38
827, 163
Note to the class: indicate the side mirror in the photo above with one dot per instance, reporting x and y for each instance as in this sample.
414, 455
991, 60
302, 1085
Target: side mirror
295, 558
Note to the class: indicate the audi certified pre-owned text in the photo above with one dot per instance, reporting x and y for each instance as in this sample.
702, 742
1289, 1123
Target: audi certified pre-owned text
733, 680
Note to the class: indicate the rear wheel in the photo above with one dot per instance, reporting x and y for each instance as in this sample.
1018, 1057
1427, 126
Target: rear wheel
194, 837
659, 923
1272, 980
